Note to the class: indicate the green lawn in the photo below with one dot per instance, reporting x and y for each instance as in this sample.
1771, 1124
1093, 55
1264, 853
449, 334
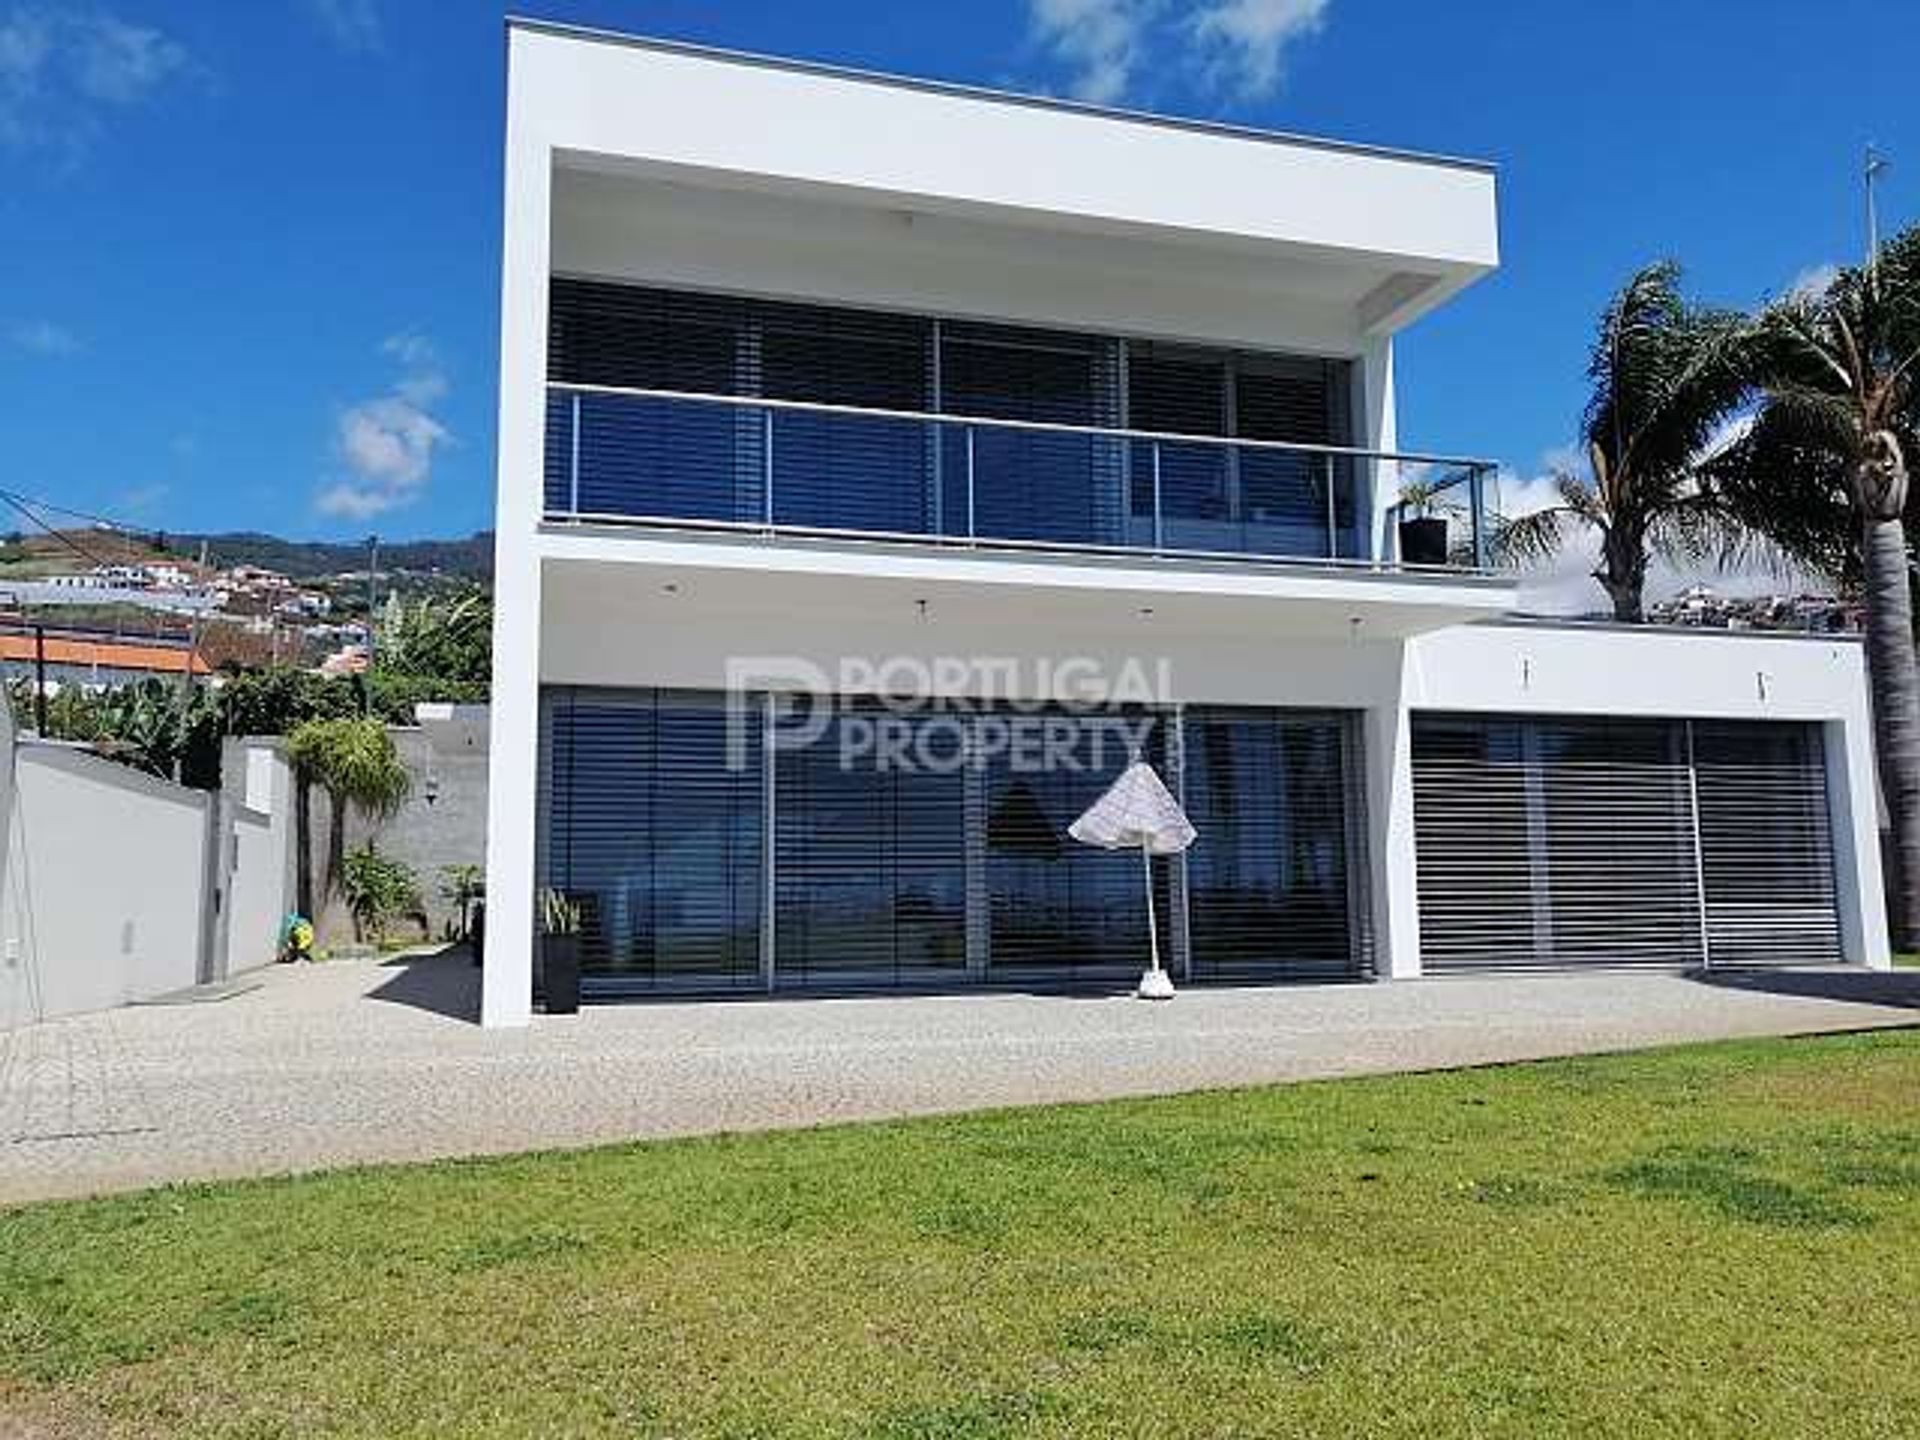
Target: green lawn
1720, 1240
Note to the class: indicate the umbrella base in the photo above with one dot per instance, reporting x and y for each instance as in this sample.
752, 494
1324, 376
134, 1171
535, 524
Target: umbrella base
1155, 985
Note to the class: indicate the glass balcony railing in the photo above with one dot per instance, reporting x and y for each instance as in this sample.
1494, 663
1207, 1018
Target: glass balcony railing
617, 456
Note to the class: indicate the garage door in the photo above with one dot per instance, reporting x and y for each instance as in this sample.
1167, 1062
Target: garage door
1549, 842
1765, 844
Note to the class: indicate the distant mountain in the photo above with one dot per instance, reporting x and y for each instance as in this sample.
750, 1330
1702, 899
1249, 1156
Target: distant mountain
471, 558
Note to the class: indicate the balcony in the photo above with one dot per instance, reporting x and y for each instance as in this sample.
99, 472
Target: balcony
792, 468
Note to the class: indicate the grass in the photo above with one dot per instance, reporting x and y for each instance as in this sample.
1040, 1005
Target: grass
1719, 1240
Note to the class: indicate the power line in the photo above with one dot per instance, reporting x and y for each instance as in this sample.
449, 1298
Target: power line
25, 506
26, 509
103, 520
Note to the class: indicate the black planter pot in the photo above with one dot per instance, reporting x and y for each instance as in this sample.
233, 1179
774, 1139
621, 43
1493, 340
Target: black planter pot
1423, 541
560, 973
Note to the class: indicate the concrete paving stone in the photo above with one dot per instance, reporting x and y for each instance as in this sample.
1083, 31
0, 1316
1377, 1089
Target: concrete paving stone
359, 1061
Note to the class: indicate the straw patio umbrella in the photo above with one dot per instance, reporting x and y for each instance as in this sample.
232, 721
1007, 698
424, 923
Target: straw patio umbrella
1137, 812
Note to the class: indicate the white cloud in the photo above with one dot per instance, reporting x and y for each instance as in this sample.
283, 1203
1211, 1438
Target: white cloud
388, 443
43, 337
355, 25
61, 70
1244, 42
1097, 40
1224, 49
425, 380
1813, 280
1564, 584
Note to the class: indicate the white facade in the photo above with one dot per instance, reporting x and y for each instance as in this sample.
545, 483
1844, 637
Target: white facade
664, 166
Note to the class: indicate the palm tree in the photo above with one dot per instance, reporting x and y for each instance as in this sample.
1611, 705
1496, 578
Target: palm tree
1824, 472
1667, 375
355, 762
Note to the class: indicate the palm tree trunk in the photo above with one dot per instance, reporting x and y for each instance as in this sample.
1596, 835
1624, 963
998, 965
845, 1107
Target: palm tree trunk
303, 846
1894, 676
1623, 574
336, 842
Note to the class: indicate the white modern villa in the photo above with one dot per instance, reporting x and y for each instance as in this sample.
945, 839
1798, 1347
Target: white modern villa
883, 464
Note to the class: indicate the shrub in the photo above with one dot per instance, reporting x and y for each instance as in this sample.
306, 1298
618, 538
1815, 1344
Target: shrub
378, 890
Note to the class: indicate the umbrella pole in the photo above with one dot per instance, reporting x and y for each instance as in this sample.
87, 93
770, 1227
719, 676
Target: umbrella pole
1153, 930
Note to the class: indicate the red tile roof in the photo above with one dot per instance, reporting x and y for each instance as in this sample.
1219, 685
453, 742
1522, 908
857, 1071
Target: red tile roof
107, 654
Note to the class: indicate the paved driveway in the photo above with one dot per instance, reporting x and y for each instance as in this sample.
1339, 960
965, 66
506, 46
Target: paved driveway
369, 1061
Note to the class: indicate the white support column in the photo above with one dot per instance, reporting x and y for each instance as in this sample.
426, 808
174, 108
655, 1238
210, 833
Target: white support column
506, 989
1394, 886
1853, 802
1377, 430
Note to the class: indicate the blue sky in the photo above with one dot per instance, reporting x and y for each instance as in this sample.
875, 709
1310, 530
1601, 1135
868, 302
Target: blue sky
248, 252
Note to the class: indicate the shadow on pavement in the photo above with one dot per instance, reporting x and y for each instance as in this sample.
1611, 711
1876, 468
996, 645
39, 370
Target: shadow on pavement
444, 982
1898, 989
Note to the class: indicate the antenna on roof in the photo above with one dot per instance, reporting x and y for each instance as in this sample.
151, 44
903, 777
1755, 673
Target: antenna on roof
1876, 164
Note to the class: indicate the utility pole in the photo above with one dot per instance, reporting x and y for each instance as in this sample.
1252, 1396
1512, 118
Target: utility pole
40, 680
1876, 164
373, 567
186, 670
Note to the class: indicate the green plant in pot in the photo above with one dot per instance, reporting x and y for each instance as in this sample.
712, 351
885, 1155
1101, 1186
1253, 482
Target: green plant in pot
1423, 523
560, 951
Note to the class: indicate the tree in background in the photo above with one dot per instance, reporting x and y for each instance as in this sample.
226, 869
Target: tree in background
1667, 376
153, 725
1823, 472
447, 639
355, 762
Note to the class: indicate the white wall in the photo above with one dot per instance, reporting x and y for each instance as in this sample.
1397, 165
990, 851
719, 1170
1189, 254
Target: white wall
721, 120
256, 896
648, 162
1539, 668
794, 247
257, 862
645, 636
105, 897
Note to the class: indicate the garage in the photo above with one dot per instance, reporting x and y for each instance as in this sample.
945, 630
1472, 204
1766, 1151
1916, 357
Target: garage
1554, 842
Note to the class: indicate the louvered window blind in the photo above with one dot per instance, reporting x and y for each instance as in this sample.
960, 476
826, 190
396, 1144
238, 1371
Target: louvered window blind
669, 459
1766, 844
1552, 842
1060, 909
655, 835
657, 806
870, 855
1271, 881
1215, 498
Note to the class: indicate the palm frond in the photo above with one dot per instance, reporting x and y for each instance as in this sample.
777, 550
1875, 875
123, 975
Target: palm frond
1535, 537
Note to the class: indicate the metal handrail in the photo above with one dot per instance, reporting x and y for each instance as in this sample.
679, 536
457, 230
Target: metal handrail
921, 539
1383, 547
994, 422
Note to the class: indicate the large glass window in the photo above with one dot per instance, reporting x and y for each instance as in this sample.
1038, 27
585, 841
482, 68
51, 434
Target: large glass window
930, 846
1269, 878
1028, 484
675, 458
653, 804
870, 852
1059, 908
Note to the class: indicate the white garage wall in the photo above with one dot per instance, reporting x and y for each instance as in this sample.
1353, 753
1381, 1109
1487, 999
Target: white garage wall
106, 897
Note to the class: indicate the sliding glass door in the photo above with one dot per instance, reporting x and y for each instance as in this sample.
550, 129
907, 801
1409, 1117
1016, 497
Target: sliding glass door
845, 844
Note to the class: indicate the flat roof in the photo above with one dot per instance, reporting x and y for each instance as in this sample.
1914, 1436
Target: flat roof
985, 93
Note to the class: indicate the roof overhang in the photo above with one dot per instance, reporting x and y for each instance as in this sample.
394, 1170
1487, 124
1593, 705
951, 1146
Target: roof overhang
1386, 234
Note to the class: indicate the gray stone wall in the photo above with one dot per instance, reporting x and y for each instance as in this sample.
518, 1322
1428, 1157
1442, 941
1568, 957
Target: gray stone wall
444, 821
